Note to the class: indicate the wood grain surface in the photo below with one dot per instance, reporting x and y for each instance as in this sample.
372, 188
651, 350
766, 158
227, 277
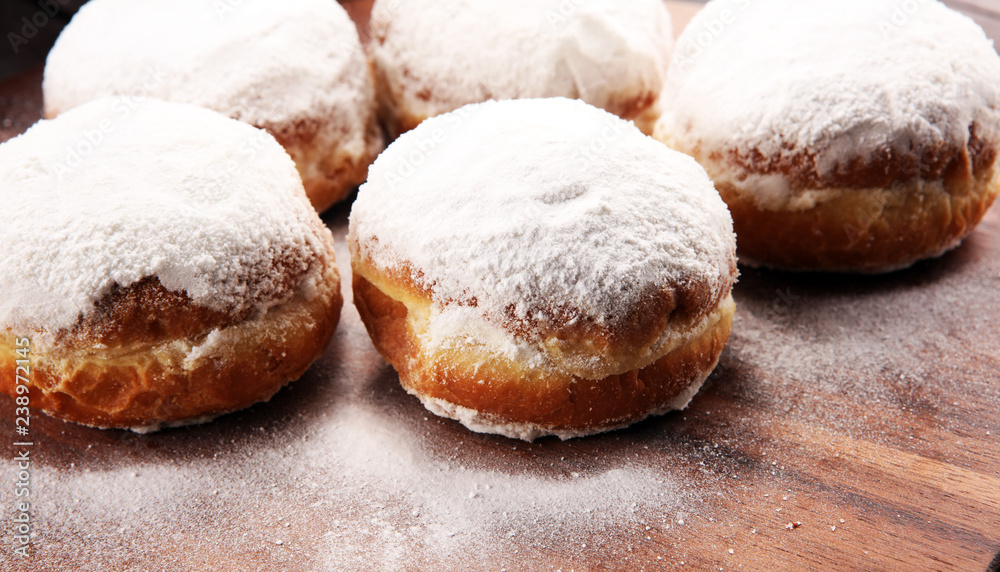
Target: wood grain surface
852, 425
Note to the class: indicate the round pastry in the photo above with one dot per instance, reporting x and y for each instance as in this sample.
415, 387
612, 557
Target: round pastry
855, 135
540, 267
295, 68
164, 266
432, 56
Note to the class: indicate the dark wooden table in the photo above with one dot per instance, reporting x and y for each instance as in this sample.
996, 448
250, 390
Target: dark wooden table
851, 425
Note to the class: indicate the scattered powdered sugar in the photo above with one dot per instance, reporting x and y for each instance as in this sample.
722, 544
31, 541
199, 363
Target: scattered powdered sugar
440, 56
457, 498
117, 190
503, 206
843, 79
260, 61
915, 338
363, 488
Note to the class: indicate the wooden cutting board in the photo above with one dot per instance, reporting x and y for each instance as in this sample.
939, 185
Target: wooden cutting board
852, 425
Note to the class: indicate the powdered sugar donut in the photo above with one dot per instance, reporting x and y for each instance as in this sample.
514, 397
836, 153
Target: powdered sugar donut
432, 56
543, 288
845, 136
171, 270
295, 68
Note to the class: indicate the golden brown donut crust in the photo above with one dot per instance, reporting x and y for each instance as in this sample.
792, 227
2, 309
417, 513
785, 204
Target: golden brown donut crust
862, 230
505, 392
131, 364
875, 214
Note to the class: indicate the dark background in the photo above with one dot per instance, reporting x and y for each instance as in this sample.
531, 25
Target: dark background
32, 54
12, 21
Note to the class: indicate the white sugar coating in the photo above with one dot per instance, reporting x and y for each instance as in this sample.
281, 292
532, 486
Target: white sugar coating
601, 51
260, 61
534, 206
844, 79
117, 190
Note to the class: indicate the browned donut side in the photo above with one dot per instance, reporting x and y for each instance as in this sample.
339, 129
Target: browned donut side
504, 392
145, 382
861, 229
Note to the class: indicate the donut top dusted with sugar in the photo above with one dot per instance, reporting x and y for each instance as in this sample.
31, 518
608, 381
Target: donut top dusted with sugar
538, 211
264, 62
819, 90
115, 191
446, 52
